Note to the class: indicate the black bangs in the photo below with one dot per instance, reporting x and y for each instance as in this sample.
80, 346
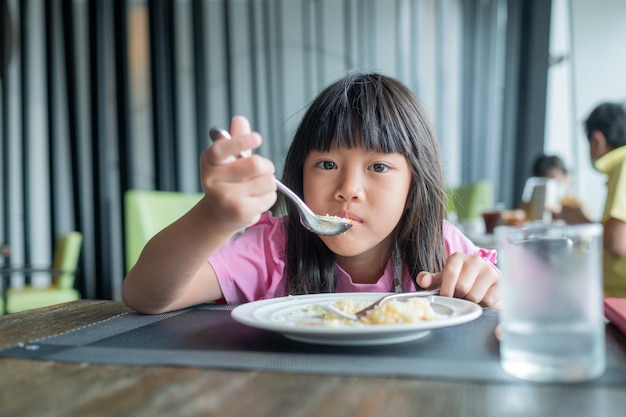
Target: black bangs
359, 112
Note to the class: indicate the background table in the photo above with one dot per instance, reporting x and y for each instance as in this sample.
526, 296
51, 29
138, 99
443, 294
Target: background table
41, 388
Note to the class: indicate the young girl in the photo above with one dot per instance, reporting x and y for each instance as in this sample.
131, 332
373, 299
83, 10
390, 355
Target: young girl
365, 151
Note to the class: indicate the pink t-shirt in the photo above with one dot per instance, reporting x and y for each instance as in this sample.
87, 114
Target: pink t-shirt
250, 266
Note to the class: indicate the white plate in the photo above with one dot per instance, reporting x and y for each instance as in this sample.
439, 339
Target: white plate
287, 314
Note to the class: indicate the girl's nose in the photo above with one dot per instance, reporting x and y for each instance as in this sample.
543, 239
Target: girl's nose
350, 187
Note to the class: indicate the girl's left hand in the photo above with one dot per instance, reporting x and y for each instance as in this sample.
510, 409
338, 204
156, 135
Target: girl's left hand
465, 276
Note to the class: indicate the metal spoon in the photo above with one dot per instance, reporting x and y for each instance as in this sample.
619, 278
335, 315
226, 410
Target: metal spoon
440, 309
321, 225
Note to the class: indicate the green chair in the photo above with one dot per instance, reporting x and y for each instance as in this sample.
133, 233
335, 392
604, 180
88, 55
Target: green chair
148, 212
62, 272
469, 199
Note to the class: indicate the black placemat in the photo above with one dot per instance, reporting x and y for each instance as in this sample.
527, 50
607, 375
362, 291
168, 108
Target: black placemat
207, 336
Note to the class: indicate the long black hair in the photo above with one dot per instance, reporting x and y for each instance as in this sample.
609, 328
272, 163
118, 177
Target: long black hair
378, 113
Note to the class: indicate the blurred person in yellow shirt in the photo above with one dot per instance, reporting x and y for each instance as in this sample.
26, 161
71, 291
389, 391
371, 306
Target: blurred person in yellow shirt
606, 133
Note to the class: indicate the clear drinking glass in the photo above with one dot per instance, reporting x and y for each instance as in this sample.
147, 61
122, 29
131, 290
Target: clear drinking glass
552, 315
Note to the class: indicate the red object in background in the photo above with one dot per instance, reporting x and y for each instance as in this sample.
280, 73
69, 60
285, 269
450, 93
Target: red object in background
615, 312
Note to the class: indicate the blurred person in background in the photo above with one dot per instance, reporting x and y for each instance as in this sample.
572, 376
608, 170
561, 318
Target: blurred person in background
606, 133
552, 166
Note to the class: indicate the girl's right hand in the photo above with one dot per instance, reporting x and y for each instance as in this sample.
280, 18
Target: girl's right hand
172, 271
237, 190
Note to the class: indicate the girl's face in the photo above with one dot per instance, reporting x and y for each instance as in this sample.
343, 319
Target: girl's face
370, 188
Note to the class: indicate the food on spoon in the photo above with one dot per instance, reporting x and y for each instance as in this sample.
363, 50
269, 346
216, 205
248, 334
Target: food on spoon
337, 218
326, 227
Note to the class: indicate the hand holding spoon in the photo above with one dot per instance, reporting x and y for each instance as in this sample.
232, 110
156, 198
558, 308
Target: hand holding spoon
318, 224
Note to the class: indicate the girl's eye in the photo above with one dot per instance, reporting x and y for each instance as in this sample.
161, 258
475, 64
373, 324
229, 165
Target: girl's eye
379, 167
327, 165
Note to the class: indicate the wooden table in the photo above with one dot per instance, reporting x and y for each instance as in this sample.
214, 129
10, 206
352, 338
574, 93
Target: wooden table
45, 388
